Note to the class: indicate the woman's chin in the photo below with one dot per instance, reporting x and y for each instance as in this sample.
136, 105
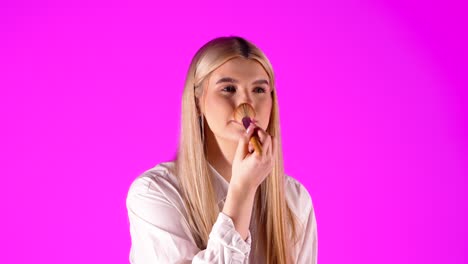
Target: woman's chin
235, 134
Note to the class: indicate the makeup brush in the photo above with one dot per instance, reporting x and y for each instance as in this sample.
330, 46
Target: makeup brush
244, 114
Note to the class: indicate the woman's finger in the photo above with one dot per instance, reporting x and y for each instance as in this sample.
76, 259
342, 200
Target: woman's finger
262, 135
266, 146
251, 148
243, 144
270, 149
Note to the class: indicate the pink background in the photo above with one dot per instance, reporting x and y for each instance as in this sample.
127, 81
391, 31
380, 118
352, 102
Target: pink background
373, 101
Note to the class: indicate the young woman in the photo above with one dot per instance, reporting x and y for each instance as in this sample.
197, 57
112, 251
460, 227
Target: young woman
220, 201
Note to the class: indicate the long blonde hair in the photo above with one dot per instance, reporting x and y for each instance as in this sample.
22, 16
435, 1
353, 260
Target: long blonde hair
275, 220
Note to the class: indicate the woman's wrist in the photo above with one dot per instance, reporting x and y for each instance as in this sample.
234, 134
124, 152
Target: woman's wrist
238, 206
243, 189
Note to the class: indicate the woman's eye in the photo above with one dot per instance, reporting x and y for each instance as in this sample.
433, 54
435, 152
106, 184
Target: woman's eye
229, 88
262, 90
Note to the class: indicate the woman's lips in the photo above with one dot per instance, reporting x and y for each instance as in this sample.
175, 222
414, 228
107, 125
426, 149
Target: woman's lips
235, 121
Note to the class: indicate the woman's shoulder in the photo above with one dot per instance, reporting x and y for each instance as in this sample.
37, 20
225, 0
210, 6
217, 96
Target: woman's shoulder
153, 201
156, 182
298, 197
161, 172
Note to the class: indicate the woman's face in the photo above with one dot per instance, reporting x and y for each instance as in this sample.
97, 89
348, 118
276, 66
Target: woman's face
235, 82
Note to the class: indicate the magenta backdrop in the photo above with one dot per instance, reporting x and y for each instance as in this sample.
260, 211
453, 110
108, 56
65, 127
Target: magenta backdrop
373, 114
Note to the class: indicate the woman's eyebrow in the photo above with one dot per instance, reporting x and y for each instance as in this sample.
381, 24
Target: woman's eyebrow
262, 81
232, 80
227, 79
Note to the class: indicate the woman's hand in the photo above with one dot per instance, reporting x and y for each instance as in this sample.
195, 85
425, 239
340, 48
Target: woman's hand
249, 168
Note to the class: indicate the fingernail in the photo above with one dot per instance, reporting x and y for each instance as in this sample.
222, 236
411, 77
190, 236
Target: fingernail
249, 128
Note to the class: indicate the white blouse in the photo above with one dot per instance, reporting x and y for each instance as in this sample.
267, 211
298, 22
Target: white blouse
160, 232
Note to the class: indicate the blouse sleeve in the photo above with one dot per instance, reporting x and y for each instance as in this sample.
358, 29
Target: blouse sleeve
159, 233
308, 250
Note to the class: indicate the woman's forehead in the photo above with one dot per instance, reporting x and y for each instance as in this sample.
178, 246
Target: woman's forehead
239, 69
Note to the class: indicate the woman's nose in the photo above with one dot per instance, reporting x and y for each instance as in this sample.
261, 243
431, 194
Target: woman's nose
245, 98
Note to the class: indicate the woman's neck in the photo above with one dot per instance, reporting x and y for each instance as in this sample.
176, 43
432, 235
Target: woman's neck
220, 154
